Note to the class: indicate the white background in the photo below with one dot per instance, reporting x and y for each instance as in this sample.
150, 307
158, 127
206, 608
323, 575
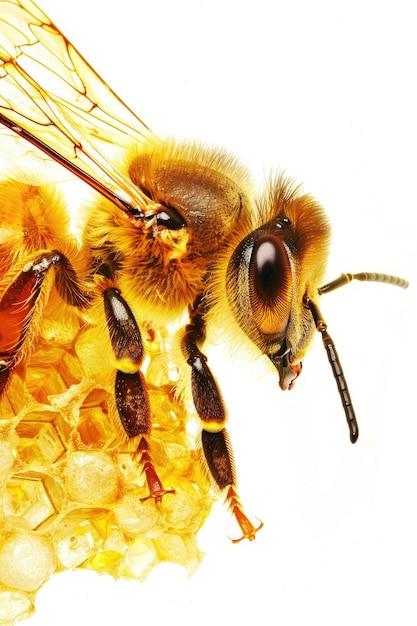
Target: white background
326, 90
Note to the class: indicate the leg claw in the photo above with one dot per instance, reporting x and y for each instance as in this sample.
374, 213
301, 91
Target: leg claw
157, 495
248, 529
156, 488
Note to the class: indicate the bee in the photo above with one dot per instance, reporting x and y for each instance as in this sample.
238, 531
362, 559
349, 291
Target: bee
178, 231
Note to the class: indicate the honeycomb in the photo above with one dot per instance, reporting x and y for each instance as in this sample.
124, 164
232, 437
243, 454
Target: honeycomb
71, 490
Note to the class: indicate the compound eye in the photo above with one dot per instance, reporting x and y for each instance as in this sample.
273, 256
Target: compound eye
270, 286
267, 270
170, 218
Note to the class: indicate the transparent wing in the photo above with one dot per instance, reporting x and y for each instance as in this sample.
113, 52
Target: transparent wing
51, 97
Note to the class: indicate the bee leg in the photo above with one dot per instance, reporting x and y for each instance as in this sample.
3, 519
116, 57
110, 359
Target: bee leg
17, 307
214, 437
132, 401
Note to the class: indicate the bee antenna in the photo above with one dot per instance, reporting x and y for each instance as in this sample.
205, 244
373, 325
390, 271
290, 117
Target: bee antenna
321, 326
337, 370
373, 277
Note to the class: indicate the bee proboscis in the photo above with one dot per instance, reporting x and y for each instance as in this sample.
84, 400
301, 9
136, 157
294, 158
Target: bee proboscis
179, 229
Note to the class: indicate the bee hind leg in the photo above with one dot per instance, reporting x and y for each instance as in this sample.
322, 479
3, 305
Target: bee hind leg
132, 400
211, 410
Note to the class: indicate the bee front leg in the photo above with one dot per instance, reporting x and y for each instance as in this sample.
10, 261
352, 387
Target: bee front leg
211, 410
131, 395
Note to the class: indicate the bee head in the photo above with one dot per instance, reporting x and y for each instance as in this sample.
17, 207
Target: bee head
272, 270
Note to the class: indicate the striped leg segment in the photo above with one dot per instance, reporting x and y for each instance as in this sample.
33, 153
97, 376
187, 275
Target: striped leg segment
211, 410
132, 399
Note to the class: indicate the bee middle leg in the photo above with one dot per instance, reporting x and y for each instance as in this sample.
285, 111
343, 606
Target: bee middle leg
211, 410
132, 400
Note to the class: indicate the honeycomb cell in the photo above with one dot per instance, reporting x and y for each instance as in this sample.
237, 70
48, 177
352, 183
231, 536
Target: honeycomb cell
39, 443
134, 516
47, 354
186, 511
70, 369
43, 382
31, 499
178, 455
169, 414
171, 547
58, 330
139, 559
76, 540
91, 478
181, 549
105, 561
26, 561
93, 350
14, 605
115, 541
96, 428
